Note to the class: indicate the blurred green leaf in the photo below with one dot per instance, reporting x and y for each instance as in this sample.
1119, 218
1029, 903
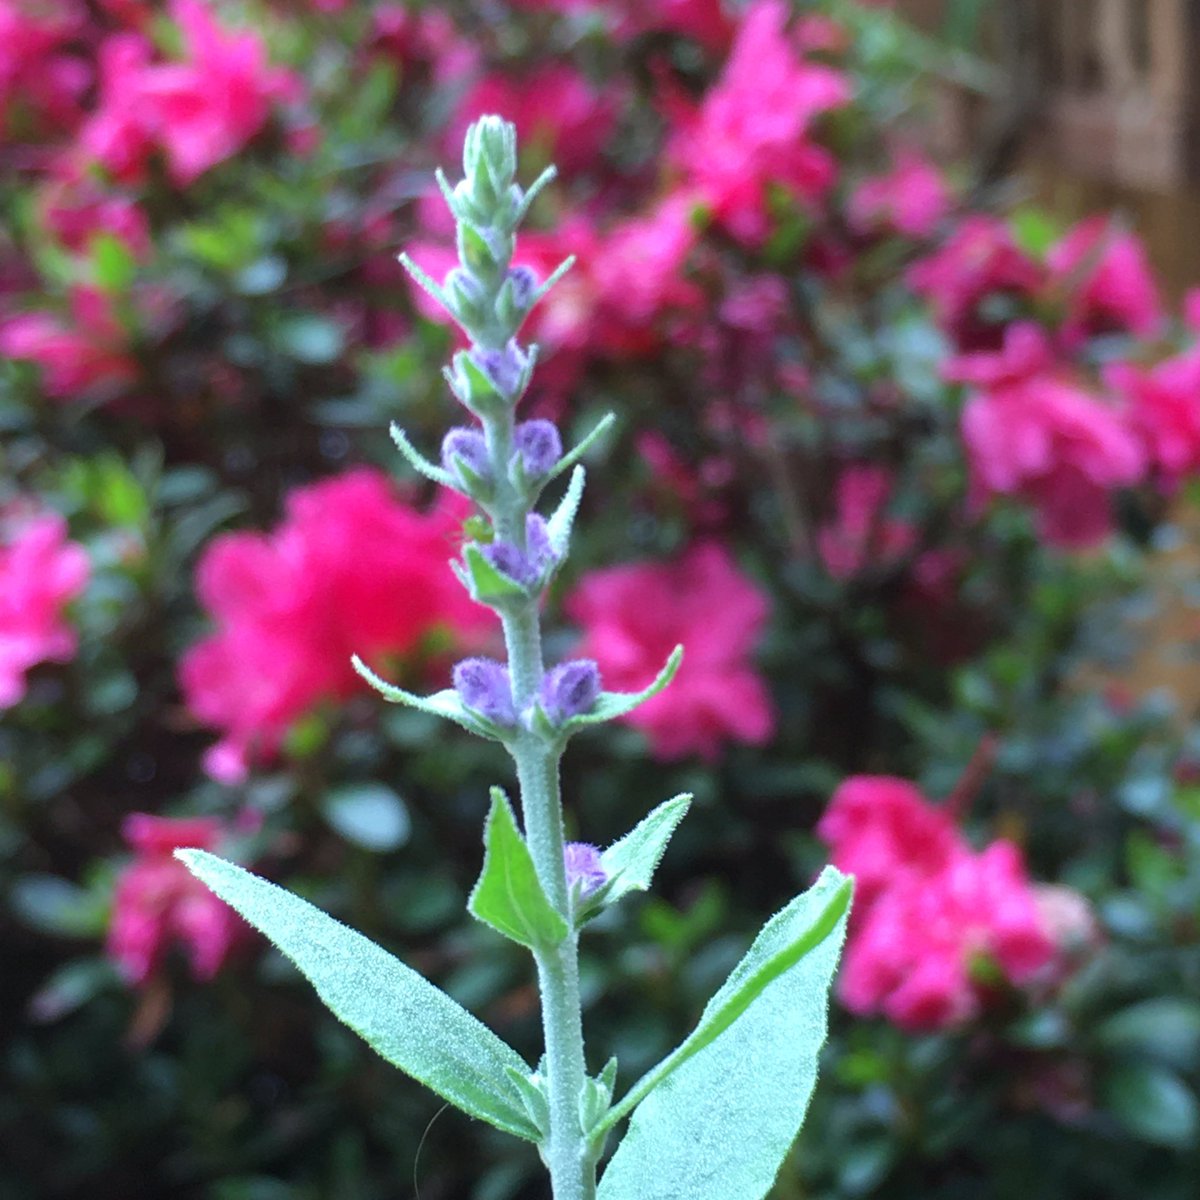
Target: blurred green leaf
369, 815
1153, 1104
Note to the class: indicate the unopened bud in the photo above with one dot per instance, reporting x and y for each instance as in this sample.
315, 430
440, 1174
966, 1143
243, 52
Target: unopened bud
466, 448
483, 686
539, 446
570, 689
527, 567
585, 871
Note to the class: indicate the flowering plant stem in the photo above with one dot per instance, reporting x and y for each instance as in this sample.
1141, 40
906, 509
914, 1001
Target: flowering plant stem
740, 1081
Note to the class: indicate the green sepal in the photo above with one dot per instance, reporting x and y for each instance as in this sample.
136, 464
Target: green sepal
446, 703
509, 895
717, 1117
630, 863
418, 461
411, 1023
486, 584
561, 521
474, 389
610, 705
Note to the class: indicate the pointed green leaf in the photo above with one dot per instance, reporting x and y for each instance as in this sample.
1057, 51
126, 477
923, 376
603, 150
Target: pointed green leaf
445, 703
616, 704
407, 1020
716, 1118
630, 863
509, 895
418, 461
569, 459
488, 584
559, 526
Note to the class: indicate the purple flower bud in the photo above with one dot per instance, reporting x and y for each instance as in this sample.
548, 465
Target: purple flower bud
462, 283
470, 446
539, 446
526, 567
584, 869
524, 283
483, 686
570, 689
503, 367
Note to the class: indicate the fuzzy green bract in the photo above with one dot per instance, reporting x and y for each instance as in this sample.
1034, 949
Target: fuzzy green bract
630, 863
718, 1126
509, 896
407, 1020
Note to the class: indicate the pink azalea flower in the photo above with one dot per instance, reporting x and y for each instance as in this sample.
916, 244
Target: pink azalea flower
1164, 403
928, 908
1056, 446
88, 353
159, 903
752, 129
197, 112
878, 827
911, 199
634, 615
978, 260
351, 570
1110, 287
859, 536
40, 573
38, 76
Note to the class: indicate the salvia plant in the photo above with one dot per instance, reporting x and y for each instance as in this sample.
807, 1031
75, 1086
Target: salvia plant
715, 1118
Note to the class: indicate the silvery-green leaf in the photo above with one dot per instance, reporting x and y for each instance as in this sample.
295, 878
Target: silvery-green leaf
716, 1118
509, 895
610, 705
418, 461
445, 703
569, 459
631, 862
402, 1016
563, 517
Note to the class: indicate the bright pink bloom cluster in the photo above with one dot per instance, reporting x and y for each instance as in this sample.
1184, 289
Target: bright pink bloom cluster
196, 112
1035, 426
928, 909
84, 352
41, 81
40, 573
912, 199
351, 570
634, 615
859, 536
752, 131
158, 902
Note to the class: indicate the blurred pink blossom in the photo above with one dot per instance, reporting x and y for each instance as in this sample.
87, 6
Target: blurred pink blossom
911, 199
158, 902
634, 615
1108, 282
859, 536
351, 570
927, 907
86, 352
980, 259
751, 130
40, 573
38, 75
197, 111
1164, 405
1058, 447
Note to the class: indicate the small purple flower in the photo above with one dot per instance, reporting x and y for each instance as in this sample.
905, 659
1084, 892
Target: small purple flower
527, 567
470, 446
483, 686
584, 869
570, 689
524, 283
538, 445
505, 368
